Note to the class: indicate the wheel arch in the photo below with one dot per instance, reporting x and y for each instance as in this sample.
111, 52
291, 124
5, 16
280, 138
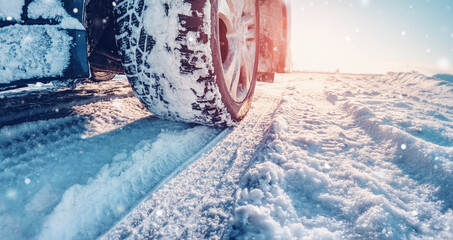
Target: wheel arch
102, 51
95, 11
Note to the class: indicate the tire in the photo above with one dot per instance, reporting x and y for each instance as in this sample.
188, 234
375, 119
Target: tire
284, 62
281, 67
102, 75
184, 61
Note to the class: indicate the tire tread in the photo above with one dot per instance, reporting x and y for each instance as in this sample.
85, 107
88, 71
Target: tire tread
135, 44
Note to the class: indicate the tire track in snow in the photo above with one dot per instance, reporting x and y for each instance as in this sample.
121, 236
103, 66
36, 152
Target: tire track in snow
55, 170
198, 202
323, 176
46, 104
413, 150
86, 210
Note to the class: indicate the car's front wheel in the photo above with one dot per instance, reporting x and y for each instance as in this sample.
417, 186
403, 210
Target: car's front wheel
193, 61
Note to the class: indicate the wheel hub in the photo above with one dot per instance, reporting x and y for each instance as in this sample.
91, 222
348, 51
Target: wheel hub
237, 39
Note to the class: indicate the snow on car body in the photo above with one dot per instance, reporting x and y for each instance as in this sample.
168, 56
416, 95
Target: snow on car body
44, 42
193, 61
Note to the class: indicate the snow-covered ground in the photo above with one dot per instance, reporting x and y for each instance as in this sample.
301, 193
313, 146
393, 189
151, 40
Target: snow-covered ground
320, 156
355, 157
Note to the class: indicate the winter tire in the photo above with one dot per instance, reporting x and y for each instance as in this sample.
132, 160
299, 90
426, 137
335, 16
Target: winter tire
192, 61
102, 75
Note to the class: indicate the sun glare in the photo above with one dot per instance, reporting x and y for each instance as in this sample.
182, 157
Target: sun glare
368, 36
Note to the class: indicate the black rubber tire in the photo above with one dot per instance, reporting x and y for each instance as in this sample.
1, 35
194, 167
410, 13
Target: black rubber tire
101, 75
281, 66
177, 72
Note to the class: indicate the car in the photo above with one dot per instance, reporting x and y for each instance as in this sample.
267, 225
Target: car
186, 60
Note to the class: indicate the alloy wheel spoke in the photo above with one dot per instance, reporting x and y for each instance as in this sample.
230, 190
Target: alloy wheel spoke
239, 19
231, 65
227, 14
248, 64
235, 81
250, 35
248, 18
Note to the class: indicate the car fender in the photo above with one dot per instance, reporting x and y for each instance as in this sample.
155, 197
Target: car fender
43, 43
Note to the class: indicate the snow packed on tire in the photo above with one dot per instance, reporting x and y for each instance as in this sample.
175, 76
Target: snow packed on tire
169, 63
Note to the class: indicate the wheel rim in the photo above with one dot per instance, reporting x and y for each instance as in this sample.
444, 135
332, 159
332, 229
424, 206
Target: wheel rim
237, 36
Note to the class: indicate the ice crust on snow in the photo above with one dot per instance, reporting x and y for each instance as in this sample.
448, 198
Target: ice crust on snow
378, 167
33, 52
11, 9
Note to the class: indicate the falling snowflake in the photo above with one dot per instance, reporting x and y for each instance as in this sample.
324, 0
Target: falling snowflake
443, 63
365, 2
11, 194
120, 209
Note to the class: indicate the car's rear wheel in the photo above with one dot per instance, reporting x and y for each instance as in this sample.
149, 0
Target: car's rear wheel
102, 75
193, 61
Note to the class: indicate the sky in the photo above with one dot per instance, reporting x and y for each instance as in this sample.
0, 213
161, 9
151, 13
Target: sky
373, 36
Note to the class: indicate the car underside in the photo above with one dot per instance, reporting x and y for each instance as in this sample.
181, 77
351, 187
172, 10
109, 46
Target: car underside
219, 48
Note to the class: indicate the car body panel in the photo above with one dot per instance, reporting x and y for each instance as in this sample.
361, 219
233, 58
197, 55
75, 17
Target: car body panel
47, 42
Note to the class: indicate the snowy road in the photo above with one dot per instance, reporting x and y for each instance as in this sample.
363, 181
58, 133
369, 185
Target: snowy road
318, 157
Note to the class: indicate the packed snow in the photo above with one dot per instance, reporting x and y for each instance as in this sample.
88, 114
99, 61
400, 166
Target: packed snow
355, 158
320, 156
198, 202
51, 168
